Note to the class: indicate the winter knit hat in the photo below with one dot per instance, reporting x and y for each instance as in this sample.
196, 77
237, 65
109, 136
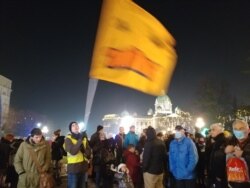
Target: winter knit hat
120, 166
70, 125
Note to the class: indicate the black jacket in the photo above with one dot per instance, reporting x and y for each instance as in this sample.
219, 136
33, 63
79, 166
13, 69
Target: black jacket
154, 154
57, 150
4, 156
217, 163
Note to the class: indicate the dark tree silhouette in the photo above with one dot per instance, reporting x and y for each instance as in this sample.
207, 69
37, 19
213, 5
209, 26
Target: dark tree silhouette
214, 100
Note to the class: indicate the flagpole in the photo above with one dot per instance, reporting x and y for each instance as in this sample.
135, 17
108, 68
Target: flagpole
89, 101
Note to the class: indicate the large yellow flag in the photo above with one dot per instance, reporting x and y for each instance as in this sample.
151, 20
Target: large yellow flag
133, 49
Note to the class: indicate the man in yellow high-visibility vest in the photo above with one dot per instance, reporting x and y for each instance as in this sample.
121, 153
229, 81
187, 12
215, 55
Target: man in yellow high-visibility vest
75, 145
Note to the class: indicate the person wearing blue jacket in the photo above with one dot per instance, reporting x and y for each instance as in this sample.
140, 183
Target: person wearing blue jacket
183, 157
131, 137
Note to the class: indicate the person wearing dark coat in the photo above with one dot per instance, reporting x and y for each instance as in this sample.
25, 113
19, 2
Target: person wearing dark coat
4, 158
57, 153
240, 147
57, 150
141, 143
107, 160
217, 163
97, 143
13, 144
208, 149
95, 138
200, 168
119, 140
154, 160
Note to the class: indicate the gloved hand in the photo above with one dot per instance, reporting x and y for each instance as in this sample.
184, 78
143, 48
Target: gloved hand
80, 137
84, 134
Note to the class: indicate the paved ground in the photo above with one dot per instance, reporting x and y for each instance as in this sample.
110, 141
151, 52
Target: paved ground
64, 185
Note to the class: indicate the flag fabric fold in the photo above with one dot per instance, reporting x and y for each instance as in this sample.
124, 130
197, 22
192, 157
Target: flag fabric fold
133, 48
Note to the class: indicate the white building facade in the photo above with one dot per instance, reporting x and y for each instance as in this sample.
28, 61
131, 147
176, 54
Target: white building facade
162, 118
5, 92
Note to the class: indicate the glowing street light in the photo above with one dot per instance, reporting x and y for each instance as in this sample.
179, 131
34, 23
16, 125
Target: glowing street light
126, 122
39, 125
199, 122
81, 125
45, 130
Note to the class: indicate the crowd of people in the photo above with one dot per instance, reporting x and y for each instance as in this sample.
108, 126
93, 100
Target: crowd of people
149, 160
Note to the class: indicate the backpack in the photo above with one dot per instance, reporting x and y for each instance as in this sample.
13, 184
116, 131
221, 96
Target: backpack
237, 170
107, 156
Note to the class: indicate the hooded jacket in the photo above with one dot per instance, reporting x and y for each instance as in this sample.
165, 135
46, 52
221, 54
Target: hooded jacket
154, 155
217, 161
25, 166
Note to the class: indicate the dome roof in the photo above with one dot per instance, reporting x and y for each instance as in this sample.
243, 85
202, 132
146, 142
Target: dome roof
124, 113
163, 105
163, 99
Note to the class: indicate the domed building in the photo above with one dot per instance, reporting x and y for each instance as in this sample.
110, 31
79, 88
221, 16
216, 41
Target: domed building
162, 118
163, 105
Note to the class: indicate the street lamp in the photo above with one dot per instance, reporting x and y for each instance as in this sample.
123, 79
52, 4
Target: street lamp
39, 125
45, 130
81, 125
126, 122
199, 122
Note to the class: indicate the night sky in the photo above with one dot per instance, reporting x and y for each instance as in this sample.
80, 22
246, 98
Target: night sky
46, 49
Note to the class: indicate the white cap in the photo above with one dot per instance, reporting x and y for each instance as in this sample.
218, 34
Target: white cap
120, 166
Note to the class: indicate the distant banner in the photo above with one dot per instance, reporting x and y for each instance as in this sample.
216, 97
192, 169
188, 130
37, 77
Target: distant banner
133, 48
